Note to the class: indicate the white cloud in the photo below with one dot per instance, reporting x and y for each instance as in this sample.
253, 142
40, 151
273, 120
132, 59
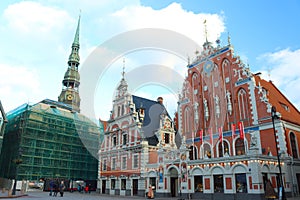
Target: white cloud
284, 69
33, 18
18, 85
174, 18
38, 36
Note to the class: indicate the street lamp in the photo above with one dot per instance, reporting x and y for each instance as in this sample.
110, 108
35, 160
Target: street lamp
281, 192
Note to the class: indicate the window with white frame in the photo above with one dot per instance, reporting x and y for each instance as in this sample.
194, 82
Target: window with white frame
187, 120
123, 184
135, 161
113, 163
243, 104
113, 184
124, 138
104, 165
124, 162
114, 141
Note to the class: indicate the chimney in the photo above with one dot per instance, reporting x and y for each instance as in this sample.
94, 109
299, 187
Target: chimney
160, 100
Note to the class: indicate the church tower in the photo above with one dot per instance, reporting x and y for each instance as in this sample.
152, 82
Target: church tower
70, 91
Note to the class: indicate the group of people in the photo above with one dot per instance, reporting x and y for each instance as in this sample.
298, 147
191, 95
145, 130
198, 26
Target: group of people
56, 187
86, 189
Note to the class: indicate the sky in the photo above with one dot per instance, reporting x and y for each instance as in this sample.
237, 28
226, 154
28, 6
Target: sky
36, 38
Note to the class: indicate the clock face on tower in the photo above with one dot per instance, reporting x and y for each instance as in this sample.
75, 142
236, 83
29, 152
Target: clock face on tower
69, 97
208, 66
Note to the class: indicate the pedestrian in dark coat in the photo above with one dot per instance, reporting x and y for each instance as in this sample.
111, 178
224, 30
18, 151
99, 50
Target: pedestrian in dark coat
62, 188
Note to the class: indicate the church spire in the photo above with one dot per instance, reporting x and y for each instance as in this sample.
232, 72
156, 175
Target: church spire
123, 86
70, 91
76, 38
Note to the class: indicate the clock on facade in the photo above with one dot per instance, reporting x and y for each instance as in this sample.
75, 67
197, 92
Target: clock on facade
69, 97
208, 66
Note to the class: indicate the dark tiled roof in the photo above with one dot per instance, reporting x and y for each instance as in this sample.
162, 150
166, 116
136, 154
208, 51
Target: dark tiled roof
153, 111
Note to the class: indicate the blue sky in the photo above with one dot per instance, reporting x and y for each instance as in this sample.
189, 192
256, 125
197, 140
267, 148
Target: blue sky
36, 38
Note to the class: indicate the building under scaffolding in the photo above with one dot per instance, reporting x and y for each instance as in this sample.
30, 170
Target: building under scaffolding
49, 140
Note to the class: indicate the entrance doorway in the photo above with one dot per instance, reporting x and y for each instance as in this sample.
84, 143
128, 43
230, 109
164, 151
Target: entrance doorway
134, 187
103, 186
174, 187
174, 182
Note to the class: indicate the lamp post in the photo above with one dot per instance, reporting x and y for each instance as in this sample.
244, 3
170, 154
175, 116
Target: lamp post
281, 192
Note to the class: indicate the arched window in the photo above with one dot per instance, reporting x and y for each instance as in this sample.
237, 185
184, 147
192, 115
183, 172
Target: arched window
239, 147
224, 149
193, 155
243, 104
207, 150
123, 110
194, 81
119, 111
187, 120
293, 145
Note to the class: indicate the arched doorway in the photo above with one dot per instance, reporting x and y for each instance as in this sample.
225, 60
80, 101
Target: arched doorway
174, 182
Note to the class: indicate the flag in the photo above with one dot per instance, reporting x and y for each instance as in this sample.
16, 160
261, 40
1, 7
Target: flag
233, 131
211, 136
241, 128
220, 134
201, 135
193, 136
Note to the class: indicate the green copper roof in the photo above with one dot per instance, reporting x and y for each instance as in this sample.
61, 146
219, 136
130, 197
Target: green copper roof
76, 39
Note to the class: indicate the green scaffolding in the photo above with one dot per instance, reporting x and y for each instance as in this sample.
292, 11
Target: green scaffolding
49, 140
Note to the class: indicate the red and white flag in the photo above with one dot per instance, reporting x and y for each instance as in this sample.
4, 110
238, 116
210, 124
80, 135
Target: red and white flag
241, 128
220, 134
233, 131
201, 135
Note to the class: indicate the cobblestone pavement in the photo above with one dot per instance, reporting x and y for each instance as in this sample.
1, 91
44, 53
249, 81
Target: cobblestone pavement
34, 195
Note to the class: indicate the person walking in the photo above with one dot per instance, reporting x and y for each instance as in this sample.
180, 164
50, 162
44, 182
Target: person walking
62, 188
55, 188
150, 194
51, 184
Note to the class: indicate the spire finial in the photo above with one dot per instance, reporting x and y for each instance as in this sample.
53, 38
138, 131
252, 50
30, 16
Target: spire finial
229, 42
123, 72
205, 30
76, 38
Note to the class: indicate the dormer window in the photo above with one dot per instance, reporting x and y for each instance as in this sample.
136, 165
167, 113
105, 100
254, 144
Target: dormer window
284, 106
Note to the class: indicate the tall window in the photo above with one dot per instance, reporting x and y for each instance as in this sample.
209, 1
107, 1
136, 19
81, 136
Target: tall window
124, 162
124, 139
223, 148
113, 163
167, 138
293, 145
123, 110
239, 147
136, 161
241, 183
218, 183
187, 119
119, 111
114, 141
104, 165
193, 155
243, 104
113, 184
198, 183
123, 184
206, 150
